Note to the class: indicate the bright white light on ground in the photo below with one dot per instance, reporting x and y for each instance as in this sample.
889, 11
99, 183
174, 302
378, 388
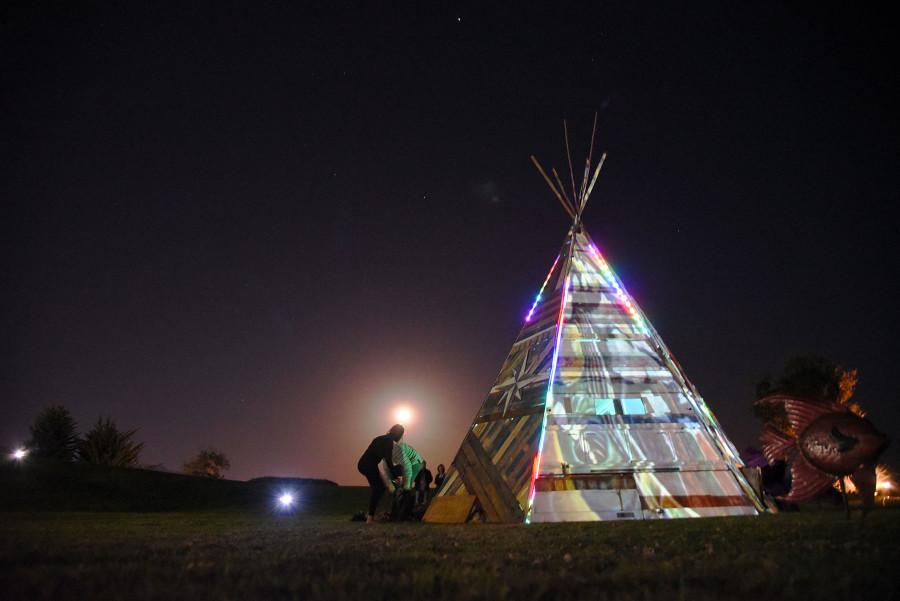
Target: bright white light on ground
885, 486
403, 415
20, 454
286, 500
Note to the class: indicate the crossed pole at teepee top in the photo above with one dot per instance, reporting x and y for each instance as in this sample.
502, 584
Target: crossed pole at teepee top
574, 206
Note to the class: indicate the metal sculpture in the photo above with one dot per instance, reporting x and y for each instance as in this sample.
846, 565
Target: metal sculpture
827, 442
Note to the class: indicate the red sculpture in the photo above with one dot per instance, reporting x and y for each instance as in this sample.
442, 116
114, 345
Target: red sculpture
830, 442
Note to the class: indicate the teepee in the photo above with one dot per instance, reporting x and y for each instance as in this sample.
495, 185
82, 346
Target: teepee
591, 417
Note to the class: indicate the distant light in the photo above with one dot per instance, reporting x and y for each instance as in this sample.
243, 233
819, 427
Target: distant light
286, 500
885, 485
403, 415
20, 454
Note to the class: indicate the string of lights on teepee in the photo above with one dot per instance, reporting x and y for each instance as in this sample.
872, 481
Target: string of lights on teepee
590, 417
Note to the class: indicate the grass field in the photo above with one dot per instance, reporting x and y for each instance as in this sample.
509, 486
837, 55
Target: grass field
233, 555
317, 553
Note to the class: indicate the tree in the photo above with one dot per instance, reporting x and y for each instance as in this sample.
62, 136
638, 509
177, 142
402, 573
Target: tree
209, 463
809, 377
806, 376
105, 444
54, 434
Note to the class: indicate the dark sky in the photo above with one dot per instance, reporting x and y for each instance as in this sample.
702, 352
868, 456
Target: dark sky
261, 227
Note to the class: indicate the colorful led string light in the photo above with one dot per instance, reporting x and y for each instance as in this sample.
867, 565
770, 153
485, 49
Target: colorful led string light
537, 299
549, 400
631, 309
621, 295
628, 304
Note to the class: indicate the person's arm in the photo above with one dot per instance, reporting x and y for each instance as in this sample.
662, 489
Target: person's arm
397, 463
385, 473
389, 454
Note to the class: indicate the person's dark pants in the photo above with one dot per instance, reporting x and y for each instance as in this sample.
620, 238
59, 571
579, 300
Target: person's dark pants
375, 483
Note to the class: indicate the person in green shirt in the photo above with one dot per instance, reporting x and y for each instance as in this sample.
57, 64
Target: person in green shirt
412, 463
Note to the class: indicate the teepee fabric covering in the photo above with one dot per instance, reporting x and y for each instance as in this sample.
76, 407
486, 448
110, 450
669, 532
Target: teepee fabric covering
591, 418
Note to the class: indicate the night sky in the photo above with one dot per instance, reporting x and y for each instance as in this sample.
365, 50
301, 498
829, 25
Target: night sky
263, 227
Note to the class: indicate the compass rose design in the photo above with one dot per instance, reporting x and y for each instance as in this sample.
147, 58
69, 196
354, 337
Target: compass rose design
512, 386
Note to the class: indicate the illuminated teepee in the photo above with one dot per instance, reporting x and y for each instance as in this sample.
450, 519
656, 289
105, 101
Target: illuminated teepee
591, 417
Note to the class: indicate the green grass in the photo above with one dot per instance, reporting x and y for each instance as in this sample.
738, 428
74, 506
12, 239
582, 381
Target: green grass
320, 555
224, 541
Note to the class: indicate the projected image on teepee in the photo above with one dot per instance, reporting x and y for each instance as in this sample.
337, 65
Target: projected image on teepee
591, 417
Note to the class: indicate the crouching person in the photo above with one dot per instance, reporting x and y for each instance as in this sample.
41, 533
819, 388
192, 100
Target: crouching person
404, 496
383, 448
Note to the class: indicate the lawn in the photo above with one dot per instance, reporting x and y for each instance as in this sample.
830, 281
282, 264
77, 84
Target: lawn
70, 531
317, 553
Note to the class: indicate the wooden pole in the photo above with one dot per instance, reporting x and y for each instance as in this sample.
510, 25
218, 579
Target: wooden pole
584, 182
591, 150
587, 165
563, 190
552, 187
593, 180
569, 157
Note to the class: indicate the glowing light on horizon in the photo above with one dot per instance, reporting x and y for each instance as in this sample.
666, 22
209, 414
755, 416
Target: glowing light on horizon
19, 454
286, 500
403, 415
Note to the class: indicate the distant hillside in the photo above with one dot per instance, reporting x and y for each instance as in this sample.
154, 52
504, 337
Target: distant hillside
53, 486
281, 481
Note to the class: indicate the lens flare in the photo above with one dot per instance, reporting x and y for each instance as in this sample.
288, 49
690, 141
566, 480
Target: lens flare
286, 500
20, 454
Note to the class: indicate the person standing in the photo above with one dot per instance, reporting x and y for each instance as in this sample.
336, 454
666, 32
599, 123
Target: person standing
423, 481
440, 477
382, 448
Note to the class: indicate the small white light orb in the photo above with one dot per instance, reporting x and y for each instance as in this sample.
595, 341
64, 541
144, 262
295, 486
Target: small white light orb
20, 454
286, 500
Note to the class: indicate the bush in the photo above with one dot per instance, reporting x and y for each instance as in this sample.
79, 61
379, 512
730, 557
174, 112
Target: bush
105, 444
209, 463
54, 434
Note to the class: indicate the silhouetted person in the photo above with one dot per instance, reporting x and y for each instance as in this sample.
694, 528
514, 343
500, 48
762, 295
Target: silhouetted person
382, 448
440, 477
423, 481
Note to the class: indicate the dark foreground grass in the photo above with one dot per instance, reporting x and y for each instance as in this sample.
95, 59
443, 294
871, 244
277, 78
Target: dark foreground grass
244, 555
